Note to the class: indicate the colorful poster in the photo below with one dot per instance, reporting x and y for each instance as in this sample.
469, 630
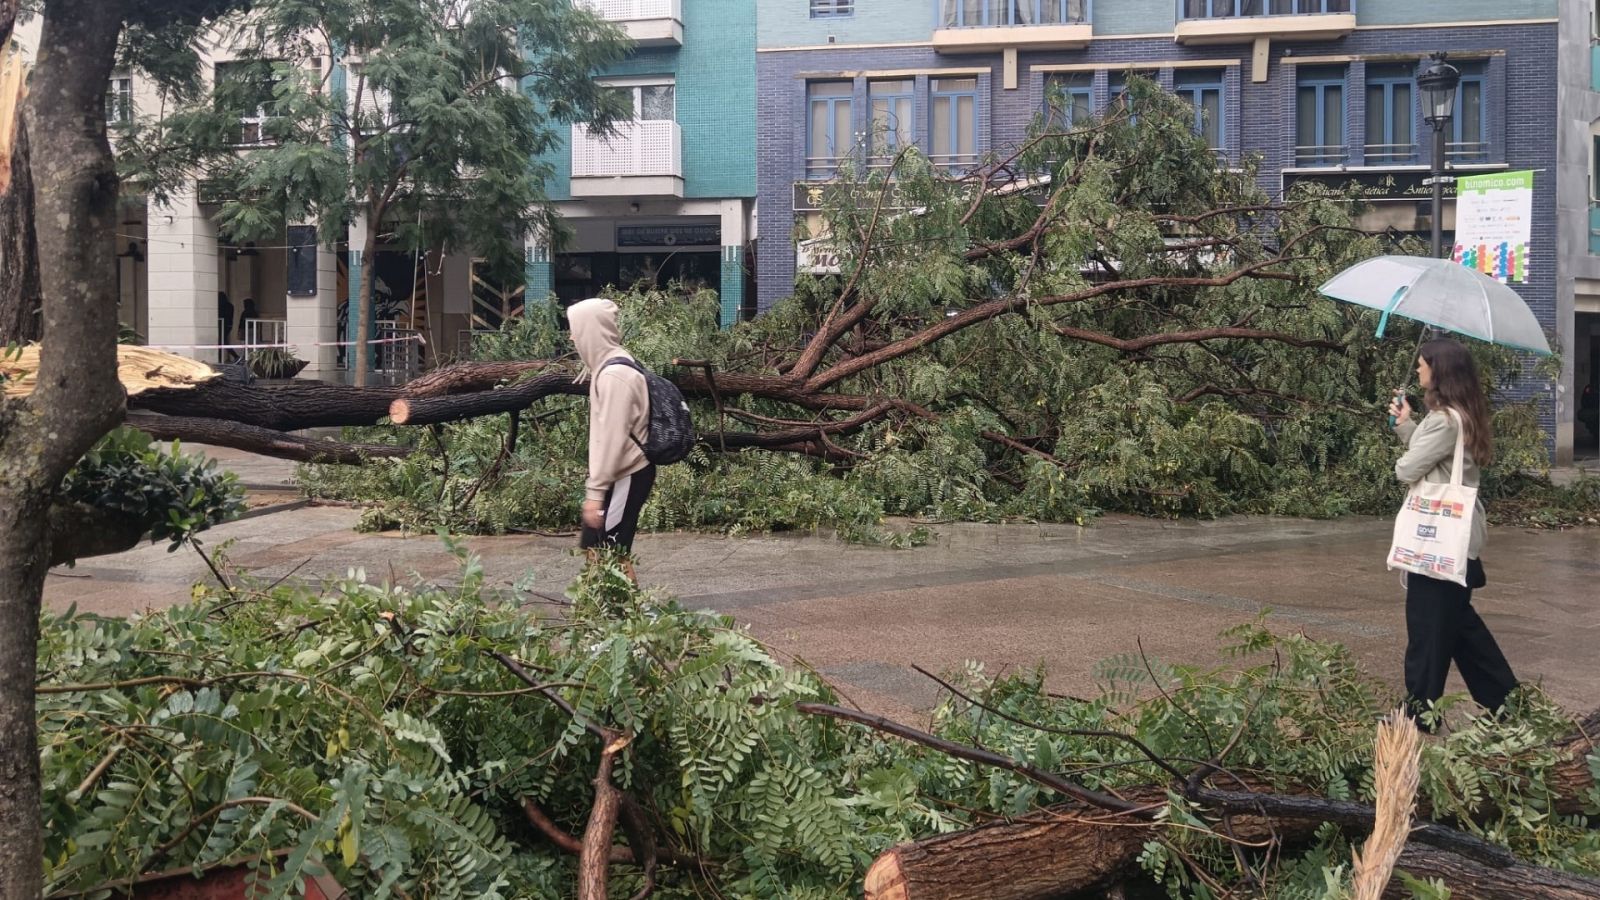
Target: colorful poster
1494, 223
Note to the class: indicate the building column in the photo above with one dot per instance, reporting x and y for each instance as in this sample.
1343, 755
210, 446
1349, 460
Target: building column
731, 292
182, 276
313, 319
538, 269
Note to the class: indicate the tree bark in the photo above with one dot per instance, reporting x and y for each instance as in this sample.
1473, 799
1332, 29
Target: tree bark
79, 531
362, 314
433, 410
264, 441
78, 397
314, 404
1466, 878
20, 320
285, 407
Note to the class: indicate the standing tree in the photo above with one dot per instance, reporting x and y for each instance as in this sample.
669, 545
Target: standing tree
19, 277
77, 398
429, 125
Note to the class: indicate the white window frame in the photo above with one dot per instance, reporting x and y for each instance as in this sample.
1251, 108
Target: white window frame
635, 85
120, 90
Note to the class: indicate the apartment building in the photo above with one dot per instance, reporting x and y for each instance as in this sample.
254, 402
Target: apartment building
672, 196
668, 198
1321, 90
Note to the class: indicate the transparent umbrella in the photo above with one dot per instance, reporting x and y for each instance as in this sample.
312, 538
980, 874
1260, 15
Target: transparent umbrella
1441, 293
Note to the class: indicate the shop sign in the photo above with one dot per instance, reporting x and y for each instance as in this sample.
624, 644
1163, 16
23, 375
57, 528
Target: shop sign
1374, 187
709, 235
816, 257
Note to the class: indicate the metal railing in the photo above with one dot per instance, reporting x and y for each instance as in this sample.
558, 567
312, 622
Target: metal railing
635, 10
1240, 9
399, 360
822, 9
637, 148
264, 332
1321, 154
994, 13
823, 167
954, 163
1390, 154
1467, 151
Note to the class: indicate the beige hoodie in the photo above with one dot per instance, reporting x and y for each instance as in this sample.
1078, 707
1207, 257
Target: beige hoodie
619, 401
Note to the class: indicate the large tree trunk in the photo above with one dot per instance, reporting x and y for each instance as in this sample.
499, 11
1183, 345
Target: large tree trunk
78, 397
264, 441
19, 271
362, 314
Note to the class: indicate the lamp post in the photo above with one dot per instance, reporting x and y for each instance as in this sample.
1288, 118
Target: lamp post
1438, 83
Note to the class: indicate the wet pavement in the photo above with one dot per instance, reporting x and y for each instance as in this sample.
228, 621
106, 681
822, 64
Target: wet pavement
1005, 595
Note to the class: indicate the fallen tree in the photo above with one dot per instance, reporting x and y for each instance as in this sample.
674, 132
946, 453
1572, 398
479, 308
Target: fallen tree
439, 742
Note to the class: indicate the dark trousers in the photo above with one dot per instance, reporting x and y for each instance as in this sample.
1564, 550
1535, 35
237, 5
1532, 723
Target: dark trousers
621, 510
1441, 626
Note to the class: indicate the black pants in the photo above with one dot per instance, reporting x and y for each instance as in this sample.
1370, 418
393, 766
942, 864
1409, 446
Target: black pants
621, 510
1441, 626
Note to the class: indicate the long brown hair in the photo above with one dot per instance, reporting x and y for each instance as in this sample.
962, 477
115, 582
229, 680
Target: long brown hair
1455, 384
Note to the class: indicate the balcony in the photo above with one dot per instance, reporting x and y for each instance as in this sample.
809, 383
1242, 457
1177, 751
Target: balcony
650, 23
987, 26
1240, 21
642, 159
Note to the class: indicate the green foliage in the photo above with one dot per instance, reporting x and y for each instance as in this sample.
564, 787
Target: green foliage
366, 730
438, 114
172, 494
1178, 427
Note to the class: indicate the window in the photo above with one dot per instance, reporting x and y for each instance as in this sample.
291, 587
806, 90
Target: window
891, 103
1203, 89
954, 123
1118, 92
832, 9
1468, 138
119, 101
979, 13
649, 102
1068, 101
1391, 114
829, 132
1319, 117
1227, 9
250, 88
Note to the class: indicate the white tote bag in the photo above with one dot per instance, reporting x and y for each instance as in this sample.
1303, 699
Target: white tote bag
1434, 529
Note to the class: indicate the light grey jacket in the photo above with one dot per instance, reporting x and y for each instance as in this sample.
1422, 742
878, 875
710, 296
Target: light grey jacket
1430, 456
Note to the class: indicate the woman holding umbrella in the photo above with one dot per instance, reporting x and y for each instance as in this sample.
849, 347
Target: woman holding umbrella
1441, 624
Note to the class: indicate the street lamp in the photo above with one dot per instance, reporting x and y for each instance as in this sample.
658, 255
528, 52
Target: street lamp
1438, 83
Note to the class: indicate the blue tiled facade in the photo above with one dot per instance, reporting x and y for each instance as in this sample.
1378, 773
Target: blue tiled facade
1518, 58
712, 73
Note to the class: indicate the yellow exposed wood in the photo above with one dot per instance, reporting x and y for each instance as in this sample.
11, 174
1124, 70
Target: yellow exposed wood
138, 368
13, 87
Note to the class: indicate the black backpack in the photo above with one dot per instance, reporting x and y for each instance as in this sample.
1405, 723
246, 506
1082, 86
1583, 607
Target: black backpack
671, 432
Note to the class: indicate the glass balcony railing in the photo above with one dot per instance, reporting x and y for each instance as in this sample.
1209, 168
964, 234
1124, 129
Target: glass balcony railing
1008, 13
1238, 9
1594, 227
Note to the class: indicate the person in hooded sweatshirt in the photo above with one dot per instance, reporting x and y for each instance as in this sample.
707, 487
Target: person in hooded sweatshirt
620, 478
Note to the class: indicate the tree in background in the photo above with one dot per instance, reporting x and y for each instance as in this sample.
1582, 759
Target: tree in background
429, 124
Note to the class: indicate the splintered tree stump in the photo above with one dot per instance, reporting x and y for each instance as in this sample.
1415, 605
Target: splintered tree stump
1032, 860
